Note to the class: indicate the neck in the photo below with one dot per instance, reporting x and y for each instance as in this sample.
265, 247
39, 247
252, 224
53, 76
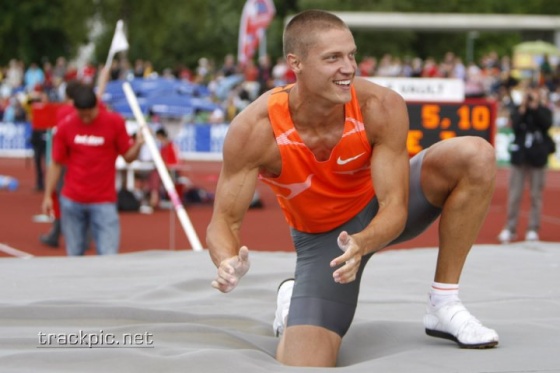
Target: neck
308, 110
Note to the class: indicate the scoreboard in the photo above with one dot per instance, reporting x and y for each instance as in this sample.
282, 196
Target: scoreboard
431, 122
438, 110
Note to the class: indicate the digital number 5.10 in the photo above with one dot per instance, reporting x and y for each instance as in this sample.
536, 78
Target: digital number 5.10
468, 117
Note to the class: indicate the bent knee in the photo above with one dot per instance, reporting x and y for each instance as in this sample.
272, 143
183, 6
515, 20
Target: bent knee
478, 148
310, 346
468, 160
472, 156
478, 159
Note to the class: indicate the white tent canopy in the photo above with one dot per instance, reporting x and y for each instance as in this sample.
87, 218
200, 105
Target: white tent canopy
449, 21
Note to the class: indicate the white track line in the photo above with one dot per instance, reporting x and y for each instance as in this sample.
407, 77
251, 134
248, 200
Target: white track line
14, 252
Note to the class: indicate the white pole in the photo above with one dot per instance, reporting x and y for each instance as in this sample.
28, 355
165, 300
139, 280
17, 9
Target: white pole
119, 43
109, 62
162, 169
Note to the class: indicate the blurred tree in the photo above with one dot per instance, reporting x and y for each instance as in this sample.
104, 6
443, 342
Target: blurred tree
37, 30
435, 44
170, 33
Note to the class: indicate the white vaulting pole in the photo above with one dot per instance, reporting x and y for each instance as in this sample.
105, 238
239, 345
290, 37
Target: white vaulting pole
162, 169
118, 44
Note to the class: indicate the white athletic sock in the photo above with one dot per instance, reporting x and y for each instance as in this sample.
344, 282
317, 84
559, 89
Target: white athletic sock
441, 293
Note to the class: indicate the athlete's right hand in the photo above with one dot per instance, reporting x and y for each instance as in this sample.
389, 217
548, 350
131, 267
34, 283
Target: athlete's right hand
231, 270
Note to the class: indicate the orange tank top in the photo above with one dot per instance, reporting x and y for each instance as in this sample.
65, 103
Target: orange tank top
318, 196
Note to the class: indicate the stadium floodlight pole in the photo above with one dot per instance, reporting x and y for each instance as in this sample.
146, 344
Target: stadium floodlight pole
162, 169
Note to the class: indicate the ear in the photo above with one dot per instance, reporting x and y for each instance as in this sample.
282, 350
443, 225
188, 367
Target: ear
293, 62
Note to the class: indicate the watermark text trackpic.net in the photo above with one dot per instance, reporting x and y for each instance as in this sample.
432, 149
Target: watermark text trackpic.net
97, 339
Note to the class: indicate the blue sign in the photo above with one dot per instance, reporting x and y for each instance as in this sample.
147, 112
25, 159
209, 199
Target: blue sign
14, 138
201, 138
192, 139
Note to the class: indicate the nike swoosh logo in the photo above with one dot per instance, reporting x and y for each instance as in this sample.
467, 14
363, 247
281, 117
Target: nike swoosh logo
341, 161
295, 188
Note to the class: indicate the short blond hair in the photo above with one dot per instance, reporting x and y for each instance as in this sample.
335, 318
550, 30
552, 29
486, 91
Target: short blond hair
300, 32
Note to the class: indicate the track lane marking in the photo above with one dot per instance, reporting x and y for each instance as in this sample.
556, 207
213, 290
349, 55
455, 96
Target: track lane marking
14, 252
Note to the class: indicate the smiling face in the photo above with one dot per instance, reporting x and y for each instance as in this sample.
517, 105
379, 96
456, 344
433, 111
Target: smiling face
320, 49
329, 66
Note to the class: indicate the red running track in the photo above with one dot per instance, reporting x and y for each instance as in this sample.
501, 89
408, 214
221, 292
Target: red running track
263, 229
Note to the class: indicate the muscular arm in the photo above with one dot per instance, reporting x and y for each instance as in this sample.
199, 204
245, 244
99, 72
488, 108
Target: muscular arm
386, 121
390, 172
245, 147
234, 193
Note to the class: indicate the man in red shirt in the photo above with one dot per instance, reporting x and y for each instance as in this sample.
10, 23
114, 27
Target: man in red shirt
88, 143
170, 156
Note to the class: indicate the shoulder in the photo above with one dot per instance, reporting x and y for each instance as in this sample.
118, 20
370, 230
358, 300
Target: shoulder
374, 97
383, 110
63, 111
250, 134
67, 120
104, 113
253, 119
111, 117
66, 127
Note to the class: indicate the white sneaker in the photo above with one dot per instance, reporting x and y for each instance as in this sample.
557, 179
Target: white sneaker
282, 306
145, 209
531, 236
506, 236
453, 321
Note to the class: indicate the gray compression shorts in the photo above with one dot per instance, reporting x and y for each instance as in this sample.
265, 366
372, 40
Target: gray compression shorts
317, 299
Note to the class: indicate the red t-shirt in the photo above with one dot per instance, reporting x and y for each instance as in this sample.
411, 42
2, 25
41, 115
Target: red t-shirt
170, 154
63, 111
89, 152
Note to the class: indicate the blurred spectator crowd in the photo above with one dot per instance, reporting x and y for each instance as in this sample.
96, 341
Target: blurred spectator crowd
233, 86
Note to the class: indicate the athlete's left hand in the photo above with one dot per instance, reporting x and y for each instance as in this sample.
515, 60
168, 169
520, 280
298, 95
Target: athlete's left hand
350, 260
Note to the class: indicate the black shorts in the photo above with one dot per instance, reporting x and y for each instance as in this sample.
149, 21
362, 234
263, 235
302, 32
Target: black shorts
317, 299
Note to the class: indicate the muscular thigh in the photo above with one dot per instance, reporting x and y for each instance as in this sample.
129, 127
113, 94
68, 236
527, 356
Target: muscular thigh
421, 213
317, 299
469, 160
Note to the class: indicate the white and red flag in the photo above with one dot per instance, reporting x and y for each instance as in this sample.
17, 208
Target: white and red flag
256, 16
